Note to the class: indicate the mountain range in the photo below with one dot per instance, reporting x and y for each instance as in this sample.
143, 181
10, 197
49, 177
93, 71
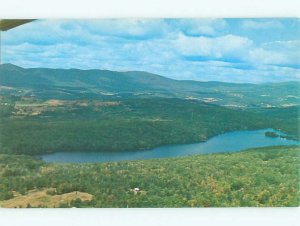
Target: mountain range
105, 84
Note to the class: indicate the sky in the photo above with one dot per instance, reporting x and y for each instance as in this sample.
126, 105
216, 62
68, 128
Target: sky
228, 50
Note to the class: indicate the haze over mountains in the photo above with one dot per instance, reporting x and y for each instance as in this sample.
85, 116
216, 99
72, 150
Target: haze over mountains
83, 84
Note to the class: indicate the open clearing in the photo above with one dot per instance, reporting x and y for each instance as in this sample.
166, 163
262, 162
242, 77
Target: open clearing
42, 199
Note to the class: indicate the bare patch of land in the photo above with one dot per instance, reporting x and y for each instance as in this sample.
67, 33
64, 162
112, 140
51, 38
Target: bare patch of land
44, 199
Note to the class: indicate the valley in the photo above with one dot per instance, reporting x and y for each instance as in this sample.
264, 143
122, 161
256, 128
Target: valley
47, 111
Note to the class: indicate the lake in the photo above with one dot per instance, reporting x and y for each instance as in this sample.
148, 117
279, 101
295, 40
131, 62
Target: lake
227, 142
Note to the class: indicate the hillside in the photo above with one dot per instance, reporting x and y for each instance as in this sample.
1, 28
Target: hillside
92, 84
255, 178
34, 126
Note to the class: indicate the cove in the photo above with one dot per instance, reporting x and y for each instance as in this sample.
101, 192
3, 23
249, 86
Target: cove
227, 142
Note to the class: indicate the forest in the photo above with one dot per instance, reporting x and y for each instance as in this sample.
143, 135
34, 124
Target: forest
33, 126
257, 177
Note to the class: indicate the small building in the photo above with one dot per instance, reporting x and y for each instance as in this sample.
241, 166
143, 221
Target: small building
135, 190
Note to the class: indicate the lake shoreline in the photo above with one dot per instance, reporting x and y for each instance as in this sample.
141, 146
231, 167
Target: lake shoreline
226, 142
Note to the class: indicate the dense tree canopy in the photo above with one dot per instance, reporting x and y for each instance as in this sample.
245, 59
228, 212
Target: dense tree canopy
257, 177
31, 127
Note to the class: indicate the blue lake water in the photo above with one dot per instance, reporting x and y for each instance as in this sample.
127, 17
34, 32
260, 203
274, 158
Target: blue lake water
227, 142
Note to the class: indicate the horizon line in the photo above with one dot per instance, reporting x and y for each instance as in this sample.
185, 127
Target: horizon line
126, 71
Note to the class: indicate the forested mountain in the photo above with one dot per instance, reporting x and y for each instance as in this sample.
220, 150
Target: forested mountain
81, 84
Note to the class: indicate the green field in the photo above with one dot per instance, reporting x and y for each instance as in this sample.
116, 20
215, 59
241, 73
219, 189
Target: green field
257, 177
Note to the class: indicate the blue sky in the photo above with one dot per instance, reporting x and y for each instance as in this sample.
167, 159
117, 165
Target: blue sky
229, 50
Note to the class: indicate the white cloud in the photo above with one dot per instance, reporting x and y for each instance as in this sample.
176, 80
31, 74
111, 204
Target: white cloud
146, 28
279, 52
261, 24
85, 31
237, 48
262, 56
283, 45
218, 47
197, 27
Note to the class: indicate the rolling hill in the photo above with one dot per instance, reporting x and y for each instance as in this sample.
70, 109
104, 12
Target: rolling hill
93, 84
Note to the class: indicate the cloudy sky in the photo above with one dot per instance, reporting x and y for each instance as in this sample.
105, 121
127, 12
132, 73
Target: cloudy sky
230, 50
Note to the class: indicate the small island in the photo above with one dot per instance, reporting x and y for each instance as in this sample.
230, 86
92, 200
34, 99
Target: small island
271, 134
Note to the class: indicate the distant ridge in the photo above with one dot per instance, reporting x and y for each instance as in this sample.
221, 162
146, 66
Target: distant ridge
54, 82
9, 66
